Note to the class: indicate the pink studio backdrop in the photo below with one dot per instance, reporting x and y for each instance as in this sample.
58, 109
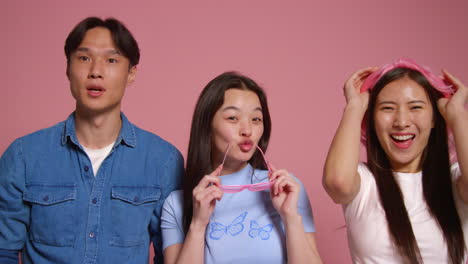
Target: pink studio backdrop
300, 51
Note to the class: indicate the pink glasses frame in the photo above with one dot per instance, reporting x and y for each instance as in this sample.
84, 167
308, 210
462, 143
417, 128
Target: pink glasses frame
251, 187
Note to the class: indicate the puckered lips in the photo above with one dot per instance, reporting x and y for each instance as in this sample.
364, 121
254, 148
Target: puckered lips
246, 145
95, 90
402, 140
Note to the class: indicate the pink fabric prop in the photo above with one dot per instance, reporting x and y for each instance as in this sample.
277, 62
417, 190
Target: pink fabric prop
435, 81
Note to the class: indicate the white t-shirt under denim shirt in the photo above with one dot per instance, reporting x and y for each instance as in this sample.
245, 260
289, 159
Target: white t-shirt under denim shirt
97, 156
368, 236
244, 227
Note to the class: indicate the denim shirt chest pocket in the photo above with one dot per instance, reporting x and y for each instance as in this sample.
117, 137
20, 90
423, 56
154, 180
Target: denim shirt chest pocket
53, 213
132, 209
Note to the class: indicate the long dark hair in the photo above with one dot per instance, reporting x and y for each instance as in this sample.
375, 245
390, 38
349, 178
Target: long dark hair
436, 178
200, 145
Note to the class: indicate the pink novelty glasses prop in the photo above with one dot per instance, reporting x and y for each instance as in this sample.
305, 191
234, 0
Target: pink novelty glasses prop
435, 81
251, 187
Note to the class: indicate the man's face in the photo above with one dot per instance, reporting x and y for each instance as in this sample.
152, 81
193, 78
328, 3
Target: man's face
98, 73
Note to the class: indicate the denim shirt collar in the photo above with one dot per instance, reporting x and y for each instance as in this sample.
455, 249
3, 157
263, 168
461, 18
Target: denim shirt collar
126, 136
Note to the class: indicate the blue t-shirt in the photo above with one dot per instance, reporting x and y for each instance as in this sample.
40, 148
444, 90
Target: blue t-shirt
244, 227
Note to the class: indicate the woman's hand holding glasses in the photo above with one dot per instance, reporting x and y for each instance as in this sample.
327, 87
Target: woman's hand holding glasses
284, 193
205, 195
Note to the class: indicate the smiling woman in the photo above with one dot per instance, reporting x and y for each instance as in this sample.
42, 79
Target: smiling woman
403, 122
407, 184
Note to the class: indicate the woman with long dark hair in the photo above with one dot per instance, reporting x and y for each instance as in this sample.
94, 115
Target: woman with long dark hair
407, 204
235, 206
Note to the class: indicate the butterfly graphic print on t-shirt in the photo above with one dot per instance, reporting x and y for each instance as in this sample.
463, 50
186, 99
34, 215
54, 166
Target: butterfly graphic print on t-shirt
217, 230
260, 231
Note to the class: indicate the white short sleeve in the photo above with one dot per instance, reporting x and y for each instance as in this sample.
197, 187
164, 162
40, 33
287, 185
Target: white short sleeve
462, 207
358, 204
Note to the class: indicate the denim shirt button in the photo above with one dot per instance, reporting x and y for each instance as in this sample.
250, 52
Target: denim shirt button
45, 198
91, 235
136, 199
94, 201
86, 168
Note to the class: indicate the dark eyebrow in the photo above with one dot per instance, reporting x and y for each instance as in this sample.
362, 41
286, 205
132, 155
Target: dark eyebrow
83, 49
386, 102
237, 109
417, 102
113, 52
110, 52
410, 102
230, 108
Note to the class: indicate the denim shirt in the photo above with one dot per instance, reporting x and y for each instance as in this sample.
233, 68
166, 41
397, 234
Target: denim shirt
54, 210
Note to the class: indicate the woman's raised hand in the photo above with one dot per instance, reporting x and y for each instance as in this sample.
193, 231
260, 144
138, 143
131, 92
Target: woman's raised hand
205, 195
454, 107
284, 193
352, 87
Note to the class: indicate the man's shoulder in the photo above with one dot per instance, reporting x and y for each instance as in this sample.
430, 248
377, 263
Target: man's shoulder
150, 139
36, 141
42, 134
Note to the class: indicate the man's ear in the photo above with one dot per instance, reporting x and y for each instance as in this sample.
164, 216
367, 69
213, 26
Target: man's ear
67, 71
131, 74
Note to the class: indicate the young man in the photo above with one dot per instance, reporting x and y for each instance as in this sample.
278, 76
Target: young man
89, 189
